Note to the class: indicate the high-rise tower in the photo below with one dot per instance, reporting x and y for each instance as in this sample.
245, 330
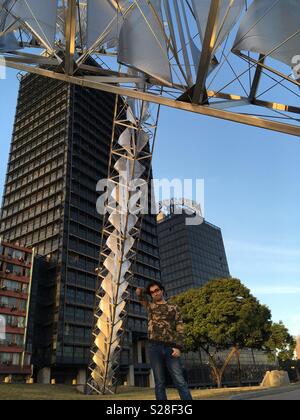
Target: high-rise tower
190, 255
60, 150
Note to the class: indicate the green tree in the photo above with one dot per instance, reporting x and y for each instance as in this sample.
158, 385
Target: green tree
223, 315
280, 344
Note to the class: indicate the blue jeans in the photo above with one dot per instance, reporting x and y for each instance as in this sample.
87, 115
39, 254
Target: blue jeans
160, 358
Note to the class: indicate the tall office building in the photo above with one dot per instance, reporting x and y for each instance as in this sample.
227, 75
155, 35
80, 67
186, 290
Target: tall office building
190, 255
60, 150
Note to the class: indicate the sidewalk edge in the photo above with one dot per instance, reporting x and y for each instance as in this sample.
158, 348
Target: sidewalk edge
265, 392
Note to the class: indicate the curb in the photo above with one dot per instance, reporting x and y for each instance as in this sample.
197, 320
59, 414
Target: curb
265, 393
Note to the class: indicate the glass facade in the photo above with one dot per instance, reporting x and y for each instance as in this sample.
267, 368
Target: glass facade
59, 152
254, 365
190, 255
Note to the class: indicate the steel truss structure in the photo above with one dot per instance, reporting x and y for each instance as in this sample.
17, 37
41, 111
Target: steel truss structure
124, 204
207, 57
192, 60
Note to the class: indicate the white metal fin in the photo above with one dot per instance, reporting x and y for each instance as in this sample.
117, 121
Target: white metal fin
142, 42
271, 28
230, 11
40, 17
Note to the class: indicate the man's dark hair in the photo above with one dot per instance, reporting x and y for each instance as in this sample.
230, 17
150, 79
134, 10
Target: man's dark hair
152, 284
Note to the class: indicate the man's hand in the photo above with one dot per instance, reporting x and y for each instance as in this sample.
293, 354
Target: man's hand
142, 297
176, 353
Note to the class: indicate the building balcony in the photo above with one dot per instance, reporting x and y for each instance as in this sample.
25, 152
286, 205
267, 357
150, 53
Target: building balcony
14, 294
8, 275
8, 369
6, 347
14, 329
11, 311
16, 246
20, 261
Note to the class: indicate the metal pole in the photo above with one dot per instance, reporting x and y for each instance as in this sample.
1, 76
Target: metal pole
70, 36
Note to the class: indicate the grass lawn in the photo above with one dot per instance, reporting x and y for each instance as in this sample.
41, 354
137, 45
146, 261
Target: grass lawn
61, 392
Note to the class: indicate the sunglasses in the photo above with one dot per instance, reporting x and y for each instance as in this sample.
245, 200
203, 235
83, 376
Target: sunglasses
155, 291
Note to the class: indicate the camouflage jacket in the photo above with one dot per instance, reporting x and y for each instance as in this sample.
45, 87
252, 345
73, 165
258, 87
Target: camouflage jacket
165, 324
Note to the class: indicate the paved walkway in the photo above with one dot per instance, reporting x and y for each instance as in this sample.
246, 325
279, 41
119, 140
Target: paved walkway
284, 396
290, 393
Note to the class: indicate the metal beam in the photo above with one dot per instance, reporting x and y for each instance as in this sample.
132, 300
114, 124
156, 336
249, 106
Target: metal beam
101, 71
256, 79
56, 60
277, 106
265, 104
187, 63
270, 69
207, 51
70, 36
37, 60
229, 104
293, 130
113, 79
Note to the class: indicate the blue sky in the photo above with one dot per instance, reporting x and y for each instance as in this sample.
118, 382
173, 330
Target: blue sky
252, 183
252, 180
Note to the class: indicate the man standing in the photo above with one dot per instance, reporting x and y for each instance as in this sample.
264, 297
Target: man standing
165, 333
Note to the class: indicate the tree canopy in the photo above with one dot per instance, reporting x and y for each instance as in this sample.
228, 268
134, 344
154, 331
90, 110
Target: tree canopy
222, 314
281, 343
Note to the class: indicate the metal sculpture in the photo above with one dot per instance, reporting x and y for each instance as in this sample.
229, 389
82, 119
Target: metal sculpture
210, 56
124, 204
